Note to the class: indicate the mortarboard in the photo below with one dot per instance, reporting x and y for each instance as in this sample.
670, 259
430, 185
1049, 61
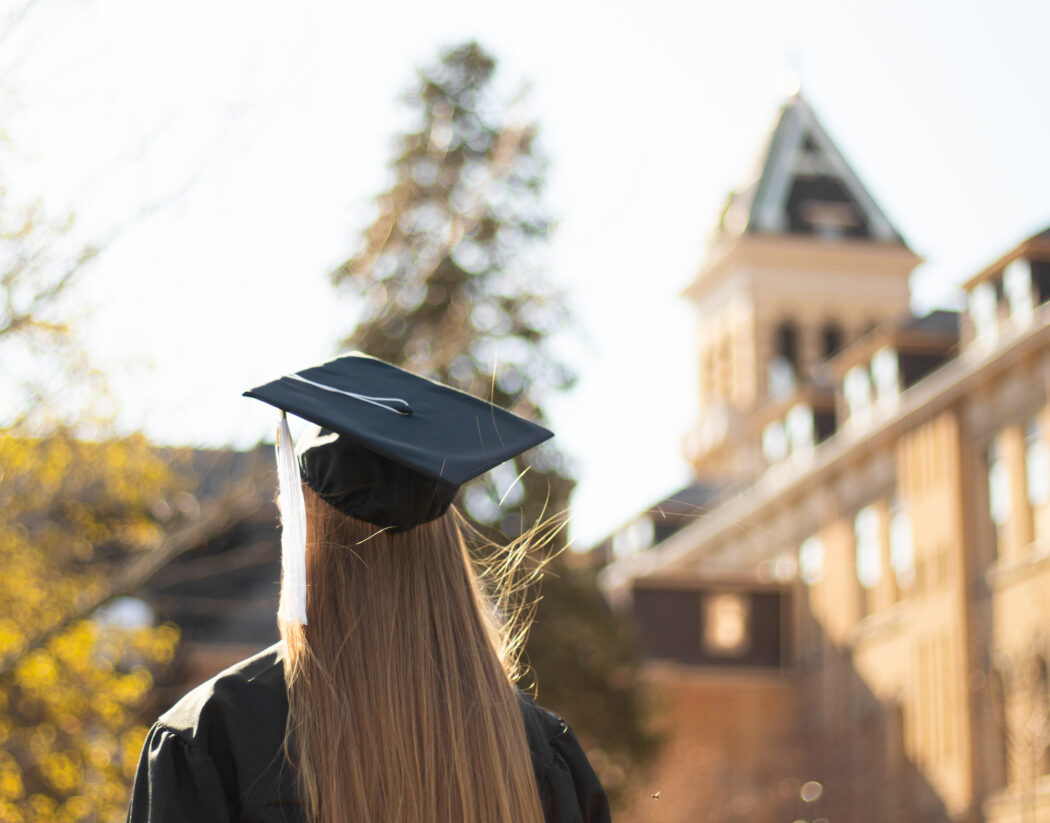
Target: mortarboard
387, 447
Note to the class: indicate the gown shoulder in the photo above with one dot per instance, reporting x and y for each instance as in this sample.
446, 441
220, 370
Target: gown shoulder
241, 698
569, 789
218, 756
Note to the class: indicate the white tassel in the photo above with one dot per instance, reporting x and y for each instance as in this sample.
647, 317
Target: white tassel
292, 608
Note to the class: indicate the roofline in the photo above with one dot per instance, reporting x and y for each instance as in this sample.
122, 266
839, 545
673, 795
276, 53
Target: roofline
771, 147
816, 397
904, 339
1038, 243
923, 400
795, 108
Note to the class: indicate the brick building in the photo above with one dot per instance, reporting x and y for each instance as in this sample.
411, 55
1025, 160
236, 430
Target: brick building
845, 617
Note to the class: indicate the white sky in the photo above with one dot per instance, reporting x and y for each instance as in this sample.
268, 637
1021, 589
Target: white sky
258, 133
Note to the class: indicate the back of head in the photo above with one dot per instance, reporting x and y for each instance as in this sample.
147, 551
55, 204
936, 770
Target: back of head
401, 708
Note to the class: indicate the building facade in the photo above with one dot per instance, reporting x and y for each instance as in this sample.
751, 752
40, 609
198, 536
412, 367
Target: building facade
856, 626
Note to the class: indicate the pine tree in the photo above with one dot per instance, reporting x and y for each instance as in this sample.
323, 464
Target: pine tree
451, 285
448, 274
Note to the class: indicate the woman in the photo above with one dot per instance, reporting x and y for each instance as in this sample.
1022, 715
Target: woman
390, 696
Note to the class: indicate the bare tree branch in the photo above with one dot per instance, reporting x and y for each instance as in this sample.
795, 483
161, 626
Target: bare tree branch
215, 517
14, 18
241, 557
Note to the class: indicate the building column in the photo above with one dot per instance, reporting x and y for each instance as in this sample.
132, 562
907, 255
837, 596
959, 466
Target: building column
1019, 533
886, 591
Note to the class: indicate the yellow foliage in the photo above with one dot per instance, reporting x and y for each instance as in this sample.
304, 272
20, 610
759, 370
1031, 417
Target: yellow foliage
10, 813
36, 673
44, 806
10, 785
77, 808
12, 640
69, 511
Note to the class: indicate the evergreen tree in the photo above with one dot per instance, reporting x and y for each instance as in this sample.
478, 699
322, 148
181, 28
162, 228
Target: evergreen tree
452, 288
448, 275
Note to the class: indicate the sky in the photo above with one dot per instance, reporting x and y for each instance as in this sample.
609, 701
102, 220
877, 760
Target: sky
229, 152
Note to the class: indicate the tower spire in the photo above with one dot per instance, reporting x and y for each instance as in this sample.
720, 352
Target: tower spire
804, 186
803, 262
791, 74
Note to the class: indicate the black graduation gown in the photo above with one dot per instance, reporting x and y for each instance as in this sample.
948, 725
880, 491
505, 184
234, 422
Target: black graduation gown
217, 756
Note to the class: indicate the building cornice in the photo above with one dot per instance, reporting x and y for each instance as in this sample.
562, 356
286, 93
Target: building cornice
804, 253
926, 399
1038, 246
917, 341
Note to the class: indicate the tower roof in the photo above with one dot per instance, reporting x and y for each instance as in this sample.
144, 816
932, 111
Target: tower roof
804, 186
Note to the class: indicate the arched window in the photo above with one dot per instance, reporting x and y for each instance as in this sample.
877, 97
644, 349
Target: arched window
832, 339
902, 549
868, 554
784, 365
1037, 475
999, 502
726, 624
811, 560
787, 342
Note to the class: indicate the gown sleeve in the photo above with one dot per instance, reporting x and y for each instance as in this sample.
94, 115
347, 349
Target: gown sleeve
574, 789
176, 783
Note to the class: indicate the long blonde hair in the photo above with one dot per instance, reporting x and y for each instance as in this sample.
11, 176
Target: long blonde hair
401, 703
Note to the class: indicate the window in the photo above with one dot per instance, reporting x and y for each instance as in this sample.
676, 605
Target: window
1037, 477
1037, 463
832, 339
780, 378
811, 560
902, 549
998, 486
783, 369
707, 372
866, 535
727, 625
725, 367
787, 342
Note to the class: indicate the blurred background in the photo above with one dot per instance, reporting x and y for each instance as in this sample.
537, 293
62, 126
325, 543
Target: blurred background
776, 275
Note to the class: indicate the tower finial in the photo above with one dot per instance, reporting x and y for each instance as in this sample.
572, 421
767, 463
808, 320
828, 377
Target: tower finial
791, 74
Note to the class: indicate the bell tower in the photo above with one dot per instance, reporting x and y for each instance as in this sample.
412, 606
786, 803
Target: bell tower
801, 262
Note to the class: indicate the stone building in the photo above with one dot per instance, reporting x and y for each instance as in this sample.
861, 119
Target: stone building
852, 623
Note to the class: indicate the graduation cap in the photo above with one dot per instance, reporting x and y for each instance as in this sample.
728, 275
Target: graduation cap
387, 447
